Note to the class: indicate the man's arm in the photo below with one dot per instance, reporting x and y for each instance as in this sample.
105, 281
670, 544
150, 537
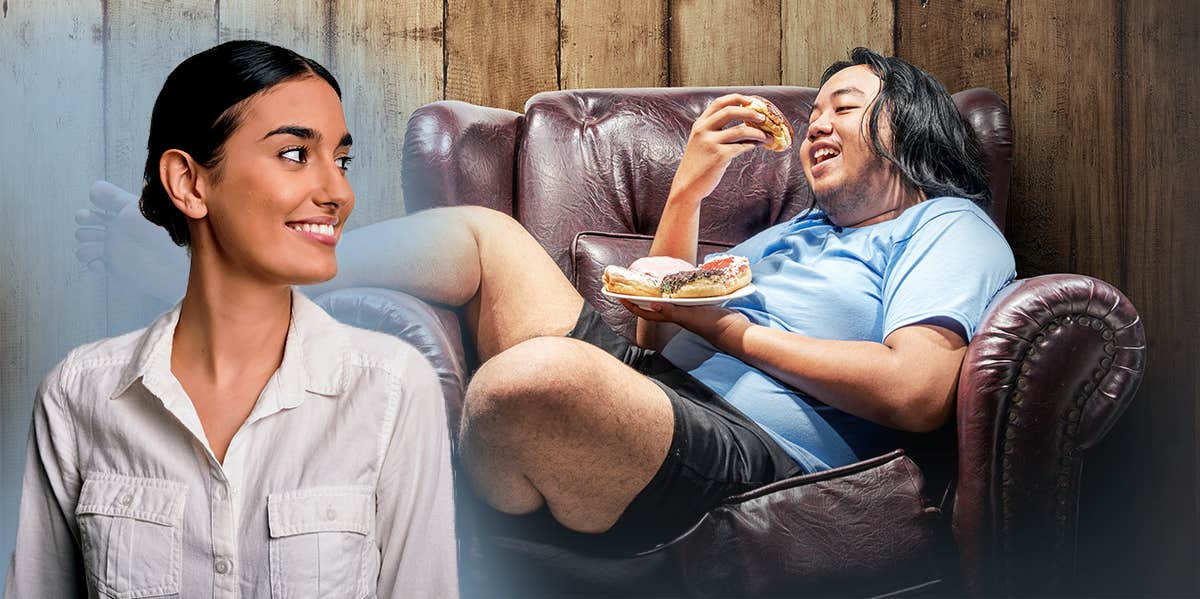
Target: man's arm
710, 149
907, 382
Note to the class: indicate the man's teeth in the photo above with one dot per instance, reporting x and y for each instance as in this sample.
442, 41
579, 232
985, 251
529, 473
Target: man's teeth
311, 228
822, 154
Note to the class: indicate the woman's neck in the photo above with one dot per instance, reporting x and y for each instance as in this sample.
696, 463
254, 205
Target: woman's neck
230, 325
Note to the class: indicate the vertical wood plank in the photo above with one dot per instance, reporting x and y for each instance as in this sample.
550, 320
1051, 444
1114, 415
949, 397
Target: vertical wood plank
501, 52
388, 59
298, 25
146, 40
1066, 201
725, 42
51, 96
815, 38
964, 43
613, 44
1147, 493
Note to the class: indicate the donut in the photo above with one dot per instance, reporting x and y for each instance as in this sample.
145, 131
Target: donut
721, 275
660, 266
618, 279
776, 125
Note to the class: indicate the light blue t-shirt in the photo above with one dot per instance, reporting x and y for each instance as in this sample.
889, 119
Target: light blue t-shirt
940, 261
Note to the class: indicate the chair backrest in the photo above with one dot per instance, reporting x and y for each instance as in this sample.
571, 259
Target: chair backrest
602, 160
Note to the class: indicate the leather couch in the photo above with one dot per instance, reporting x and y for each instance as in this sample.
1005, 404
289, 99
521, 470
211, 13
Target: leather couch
987, 506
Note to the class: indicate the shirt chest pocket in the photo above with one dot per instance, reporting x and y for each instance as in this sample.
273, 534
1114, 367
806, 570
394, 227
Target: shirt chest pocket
130, 532
322, 542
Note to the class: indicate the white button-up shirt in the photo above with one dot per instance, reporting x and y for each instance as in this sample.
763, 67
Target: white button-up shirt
338, 484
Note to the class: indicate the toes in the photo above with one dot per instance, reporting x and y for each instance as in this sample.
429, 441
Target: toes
96, 266
90, 234
87, 217
87, 253
109, 197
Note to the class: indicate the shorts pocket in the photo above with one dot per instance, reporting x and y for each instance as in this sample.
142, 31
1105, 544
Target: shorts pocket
130, 529
320, 539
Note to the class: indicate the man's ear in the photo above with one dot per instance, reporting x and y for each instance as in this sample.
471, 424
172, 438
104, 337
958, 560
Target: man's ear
185, 182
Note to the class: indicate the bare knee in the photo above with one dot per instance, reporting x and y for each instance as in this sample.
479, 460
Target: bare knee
535, 378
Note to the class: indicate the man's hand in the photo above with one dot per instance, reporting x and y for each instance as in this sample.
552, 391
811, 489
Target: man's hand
720, 326
711, 146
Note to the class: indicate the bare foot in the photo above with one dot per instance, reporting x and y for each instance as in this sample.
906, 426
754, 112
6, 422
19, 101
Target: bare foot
115, 238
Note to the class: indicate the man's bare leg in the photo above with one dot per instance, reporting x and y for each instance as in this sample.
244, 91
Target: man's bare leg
557, 421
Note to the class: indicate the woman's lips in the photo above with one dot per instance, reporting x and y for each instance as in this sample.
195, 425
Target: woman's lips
322, 238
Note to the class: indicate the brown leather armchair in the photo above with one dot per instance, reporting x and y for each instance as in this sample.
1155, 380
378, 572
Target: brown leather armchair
987, 506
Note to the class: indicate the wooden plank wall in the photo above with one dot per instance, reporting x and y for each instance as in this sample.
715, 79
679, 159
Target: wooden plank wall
1100, 94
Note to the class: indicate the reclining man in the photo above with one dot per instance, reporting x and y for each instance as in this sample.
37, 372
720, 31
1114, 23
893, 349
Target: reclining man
858, 328
861, 319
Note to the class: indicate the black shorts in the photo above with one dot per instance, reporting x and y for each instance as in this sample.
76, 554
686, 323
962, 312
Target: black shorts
716, 450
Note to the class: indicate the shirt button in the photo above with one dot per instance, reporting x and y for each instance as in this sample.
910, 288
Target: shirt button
223, 566
125, 499
221, 493
331, 514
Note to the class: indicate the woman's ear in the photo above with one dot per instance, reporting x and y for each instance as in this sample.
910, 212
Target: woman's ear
184, 182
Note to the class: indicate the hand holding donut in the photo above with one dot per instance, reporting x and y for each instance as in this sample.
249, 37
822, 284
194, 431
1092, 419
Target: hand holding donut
712, 146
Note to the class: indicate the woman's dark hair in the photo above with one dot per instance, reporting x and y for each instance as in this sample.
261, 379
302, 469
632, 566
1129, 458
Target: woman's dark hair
200, 106
932, 146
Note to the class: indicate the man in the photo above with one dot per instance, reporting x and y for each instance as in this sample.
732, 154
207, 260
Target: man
858, 329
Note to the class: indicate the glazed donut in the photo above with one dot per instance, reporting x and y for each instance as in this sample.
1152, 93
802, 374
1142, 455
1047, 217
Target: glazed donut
776, 125
618, 279
720, 276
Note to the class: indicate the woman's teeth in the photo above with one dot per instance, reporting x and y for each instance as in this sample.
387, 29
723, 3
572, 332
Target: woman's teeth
311, 228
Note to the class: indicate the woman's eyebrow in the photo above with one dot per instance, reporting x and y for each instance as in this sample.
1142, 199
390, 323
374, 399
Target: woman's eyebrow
308, 133
297, 130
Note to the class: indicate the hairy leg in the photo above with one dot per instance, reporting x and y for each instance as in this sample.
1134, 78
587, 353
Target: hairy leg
465, 256
557, 421
457, 256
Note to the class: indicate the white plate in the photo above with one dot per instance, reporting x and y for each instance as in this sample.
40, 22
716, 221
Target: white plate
643, 301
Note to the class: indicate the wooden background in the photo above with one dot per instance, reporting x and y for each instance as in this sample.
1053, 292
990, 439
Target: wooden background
1103, 97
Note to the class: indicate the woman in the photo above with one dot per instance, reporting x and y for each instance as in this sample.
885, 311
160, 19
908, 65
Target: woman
245, 443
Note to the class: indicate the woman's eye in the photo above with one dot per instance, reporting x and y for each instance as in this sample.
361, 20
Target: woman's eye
344, 162
294, 155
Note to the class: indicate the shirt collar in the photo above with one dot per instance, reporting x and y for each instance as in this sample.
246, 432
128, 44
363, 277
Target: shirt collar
312, 356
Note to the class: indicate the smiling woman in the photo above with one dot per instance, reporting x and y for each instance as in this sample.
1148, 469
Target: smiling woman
245, 441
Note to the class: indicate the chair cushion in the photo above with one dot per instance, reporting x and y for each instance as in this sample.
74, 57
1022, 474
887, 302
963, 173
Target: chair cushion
856, 530
592, 251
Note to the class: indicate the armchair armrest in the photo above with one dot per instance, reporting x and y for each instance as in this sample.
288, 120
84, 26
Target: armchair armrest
1054, 364
458, 154
433, 330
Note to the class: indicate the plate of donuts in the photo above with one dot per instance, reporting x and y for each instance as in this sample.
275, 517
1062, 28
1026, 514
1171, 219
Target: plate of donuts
661, 279
645, 301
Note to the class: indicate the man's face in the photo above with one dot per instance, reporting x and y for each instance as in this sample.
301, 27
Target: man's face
847, 178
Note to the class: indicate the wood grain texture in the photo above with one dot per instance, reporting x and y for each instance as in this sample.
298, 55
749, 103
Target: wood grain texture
724, 42
51, 96
814, 39
146, 40
1066, 205
298, 25
613, 44
1146, 500
964, 43
388, 59
501, 52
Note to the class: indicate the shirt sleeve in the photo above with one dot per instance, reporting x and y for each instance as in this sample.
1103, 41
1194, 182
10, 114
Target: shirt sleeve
415, 513
946, 272
47, 561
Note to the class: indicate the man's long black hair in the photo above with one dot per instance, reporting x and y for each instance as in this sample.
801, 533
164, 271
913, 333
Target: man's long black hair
934, 149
